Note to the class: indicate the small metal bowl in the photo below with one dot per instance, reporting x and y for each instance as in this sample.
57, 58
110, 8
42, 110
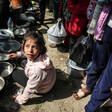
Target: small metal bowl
2, 83
19, 31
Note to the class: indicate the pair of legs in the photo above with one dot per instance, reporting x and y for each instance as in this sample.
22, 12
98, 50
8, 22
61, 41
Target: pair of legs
102, 90
101, 54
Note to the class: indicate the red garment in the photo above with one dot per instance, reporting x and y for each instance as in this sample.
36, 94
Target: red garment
78, 22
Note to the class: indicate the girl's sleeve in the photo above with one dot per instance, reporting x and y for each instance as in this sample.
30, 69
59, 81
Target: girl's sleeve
31, 87
20, 54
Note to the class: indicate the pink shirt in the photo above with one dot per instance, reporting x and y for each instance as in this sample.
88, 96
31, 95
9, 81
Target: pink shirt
42, 77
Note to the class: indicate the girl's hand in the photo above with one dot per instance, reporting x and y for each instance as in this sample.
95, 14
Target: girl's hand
59, 19
14, 96
13, 55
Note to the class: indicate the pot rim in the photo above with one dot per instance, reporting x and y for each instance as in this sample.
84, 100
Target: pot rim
3, 82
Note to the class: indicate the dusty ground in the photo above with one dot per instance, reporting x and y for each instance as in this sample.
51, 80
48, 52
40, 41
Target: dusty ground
60, 98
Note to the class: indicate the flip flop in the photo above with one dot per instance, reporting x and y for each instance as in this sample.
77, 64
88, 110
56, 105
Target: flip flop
80, 94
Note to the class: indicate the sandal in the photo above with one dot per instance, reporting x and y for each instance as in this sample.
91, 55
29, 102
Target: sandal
81, 93
53, 45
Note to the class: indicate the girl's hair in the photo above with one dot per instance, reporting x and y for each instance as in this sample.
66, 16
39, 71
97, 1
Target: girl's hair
36, 35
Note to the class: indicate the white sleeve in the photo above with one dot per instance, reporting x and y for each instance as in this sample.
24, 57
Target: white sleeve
31, 87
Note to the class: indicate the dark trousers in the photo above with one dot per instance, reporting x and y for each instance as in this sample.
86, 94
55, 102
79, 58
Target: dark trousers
102, 90
101, 54
20, 77
98, 73
42, 5
73, 40
56, 9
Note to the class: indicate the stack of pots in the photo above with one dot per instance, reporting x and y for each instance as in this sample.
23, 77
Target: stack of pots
7, 45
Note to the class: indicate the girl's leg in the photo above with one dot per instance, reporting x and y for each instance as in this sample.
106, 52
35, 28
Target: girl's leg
102, 90
101, 54
20, 77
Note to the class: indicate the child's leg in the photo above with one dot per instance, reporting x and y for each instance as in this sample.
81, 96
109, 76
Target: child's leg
102, 51
20, 77
102, 90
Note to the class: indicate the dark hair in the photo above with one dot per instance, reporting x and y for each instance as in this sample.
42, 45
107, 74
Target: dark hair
38, 37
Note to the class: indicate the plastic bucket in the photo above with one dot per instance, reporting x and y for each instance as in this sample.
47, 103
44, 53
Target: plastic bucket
16, 3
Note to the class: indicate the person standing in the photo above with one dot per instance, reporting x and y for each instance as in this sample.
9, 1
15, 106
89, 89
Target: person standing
4, 13
56, 4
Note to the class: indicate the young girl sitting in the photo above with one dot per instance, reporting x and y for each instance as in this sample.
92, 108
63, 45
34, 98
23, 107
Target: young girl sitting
39, 75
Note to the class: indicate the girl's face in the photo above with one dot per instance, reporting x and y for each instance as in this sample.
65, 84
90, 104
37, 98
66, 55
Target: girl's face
31, 49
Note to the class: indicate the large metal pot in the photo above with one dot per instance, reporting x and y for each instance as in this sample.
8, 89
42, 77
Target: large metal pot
5, 34
74, 70
2, 83
4, 56
9, 46
5, 69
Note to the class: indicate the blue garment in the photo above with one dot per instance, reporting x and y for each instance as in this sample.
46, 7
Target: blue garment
102, 53
102, 90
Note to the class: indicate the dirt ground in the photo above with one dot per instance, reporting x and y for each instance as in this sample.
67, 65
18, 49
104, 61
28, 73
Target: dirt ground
60, 98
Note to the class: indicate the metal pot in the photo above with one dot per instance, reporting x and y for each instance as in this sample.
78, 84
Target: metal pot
19, 32
2, 83
75, 71
4, 56
9, 46
5, 69
5, 34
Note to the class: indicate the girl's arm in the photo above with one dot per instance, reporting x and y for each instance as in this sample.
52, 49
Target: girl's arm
31, 87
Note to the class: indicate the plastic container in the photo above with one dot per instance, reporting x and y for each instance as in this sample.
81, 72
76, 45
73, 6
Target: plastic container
10, 24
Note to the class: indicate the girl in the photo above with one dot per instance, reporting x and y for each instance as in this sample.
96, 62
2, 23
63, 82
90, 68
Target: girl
39, 76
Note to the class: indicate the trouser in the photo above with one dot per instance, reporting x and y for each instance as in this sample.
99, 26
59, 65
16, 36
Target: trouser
102, 90
56, 10
101, 54
67, 38
42, 5
20, 77
4, 13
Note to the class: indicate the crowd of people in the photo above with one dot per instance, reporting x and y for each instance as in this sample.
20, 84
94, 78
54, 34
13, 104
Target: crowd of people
86, 17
